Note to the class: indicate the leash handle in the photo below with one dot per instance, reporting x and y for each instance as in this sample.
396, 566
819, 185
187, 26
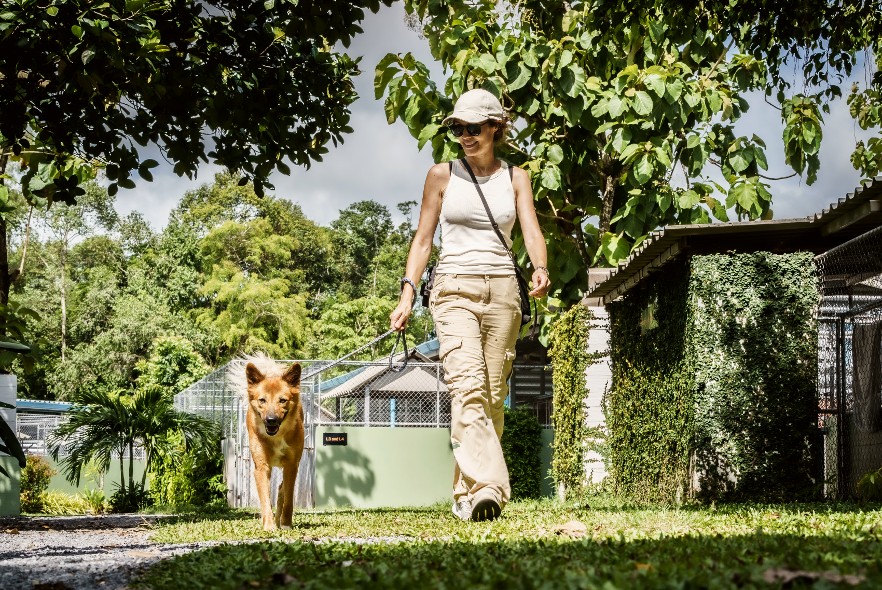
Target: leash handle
402, 337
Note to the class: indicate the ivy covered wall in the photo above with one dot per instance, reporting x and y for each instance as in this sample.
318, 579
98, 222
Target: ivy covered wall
649, 409
714, 369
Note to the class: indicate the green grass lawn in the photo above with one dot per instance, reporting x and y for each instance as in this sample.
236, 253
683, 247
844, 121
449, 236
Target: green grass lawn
535, 545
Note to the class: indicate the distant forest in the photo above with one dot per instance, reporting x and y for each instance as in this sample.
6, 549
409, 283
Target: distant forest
106, 302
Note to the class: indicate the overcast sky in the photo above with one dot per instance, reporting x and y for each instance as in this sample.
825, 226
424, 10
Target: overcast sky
380, 161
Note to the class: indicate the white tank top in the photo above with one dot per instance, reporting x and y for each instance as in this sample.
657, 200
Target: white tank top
469, 245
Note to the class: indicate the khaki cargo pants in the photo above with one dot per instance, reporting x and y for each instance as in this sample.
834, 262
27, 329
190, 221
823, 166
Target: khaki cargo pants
477, 319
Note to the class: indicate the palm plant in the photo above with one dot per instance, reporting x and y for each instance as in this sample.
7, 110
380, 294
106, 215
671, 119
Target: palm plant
104, 424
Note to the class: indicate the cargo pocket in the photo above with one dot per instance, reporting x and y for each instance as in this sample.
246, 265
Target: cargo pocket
448, 345
437, 291
502, 385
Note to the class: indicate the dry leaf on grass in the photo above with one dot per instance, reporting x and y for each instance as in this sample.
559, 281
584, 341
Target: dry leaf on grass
11, 531
785, 576
572, 529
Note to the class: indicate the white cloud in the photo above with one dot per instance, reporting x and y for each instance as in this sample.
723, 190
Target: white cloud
380, 161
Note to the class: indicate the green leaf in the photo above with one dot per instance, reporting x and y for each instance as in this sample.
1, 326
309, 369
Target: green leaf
643, 169
642, 103
524, 76
382, 79
620, 139
615, 247
485, 62
572, 80
550, 177
555, 154
617, 106
655, 84
740, 160
427, 133
744, 194
688, 199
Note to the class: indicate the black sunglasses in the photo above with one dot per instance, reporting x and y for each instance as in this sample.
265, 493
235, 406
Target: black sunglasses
474, 129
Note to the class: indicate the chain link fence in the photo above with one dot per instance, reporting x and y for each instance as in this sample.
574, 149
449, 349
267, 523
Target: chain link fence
34, 430
850, 363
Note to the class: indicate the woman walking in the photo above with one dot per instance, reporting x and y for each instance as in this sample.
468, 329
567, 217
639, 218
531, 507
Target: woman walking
475, 302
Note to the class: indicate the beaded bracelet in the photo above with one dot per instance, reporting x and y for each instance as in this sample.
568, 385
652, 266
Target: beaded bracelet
409, 282
543, 269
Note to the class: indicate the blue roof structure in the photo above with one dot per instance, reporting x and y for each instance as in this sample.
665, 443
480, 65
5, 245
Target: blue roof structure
35, 406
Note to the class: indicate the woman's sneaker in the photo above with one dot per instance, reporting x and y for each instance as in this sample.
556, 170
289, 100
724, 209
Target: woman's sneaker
462, 510
486, 508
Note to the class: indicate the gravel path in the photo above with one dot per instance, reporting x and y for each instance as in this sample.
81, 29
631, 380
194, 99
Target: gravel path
78, 552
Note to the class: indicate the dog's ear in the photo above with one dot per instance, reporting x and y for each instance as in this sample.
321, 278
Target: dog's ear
253, 374
292, 375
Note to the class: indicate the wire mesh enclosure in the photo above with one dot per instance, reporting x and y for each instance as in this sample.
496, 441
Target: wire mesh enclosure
850, 362
35, 431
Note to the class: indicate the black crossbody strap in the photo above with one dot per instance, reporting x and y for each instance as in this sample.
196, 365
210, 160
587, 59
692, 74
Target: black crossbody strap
489, 214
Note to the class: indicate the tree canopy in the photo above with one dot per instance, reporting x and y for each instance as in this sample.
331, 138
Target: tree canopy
122, 308
624, 113
245, 84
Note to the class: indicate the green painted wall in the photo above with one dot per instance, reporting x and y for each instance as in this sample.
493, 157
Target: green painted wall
89, 480
384, 468
9, 504
545, 454
393, 467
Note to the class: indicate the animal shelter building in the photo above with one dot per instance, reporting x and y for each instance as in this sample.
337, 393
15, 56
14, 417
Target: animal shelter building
745, 357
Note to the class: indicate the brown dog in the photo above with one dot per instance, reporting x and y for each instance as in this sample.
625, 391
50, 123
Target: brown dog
275, 435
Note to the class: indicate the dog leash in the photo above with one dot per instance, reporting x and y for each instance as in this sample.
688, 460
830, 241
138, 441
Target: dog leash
401, 338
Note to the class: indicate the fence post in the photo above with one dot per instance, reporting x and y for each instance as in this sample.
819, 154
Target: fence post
367, 406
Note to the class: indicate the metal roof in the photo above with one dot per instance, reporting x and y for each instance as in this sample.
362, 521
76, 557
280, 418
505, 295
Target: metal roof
35, 406
851, 216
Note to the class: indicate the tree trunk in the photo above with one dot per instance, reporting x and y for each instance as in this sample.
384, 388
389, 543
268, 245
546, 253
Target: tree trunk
132, 464
146, 465
5, 282
122, 471
62, 288
609, 194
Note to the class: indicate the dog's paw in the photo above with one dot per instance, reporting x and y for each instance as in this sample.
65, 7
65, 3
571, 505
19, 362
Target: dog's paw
285, 527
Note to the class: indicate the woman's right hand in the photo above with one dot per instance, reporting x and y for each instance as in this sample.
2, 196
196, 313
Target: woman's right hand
399, 316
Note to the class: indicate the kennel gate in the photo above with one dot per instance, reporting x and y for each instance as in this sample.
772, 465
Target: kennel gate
850, 362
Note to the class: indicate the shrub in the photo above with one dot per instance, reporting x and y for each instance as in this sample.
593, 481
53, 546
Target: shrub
95, 500
129, 499
190, 478
62, 504
521, 441
35, 479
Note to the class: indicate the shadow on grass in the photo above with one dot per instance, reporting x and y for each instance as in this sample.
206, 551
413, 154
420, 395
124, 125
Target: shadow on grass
742, 561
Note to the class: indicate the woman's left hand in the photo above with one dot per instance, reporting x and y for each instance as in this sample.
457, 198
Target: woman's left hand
541, 283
